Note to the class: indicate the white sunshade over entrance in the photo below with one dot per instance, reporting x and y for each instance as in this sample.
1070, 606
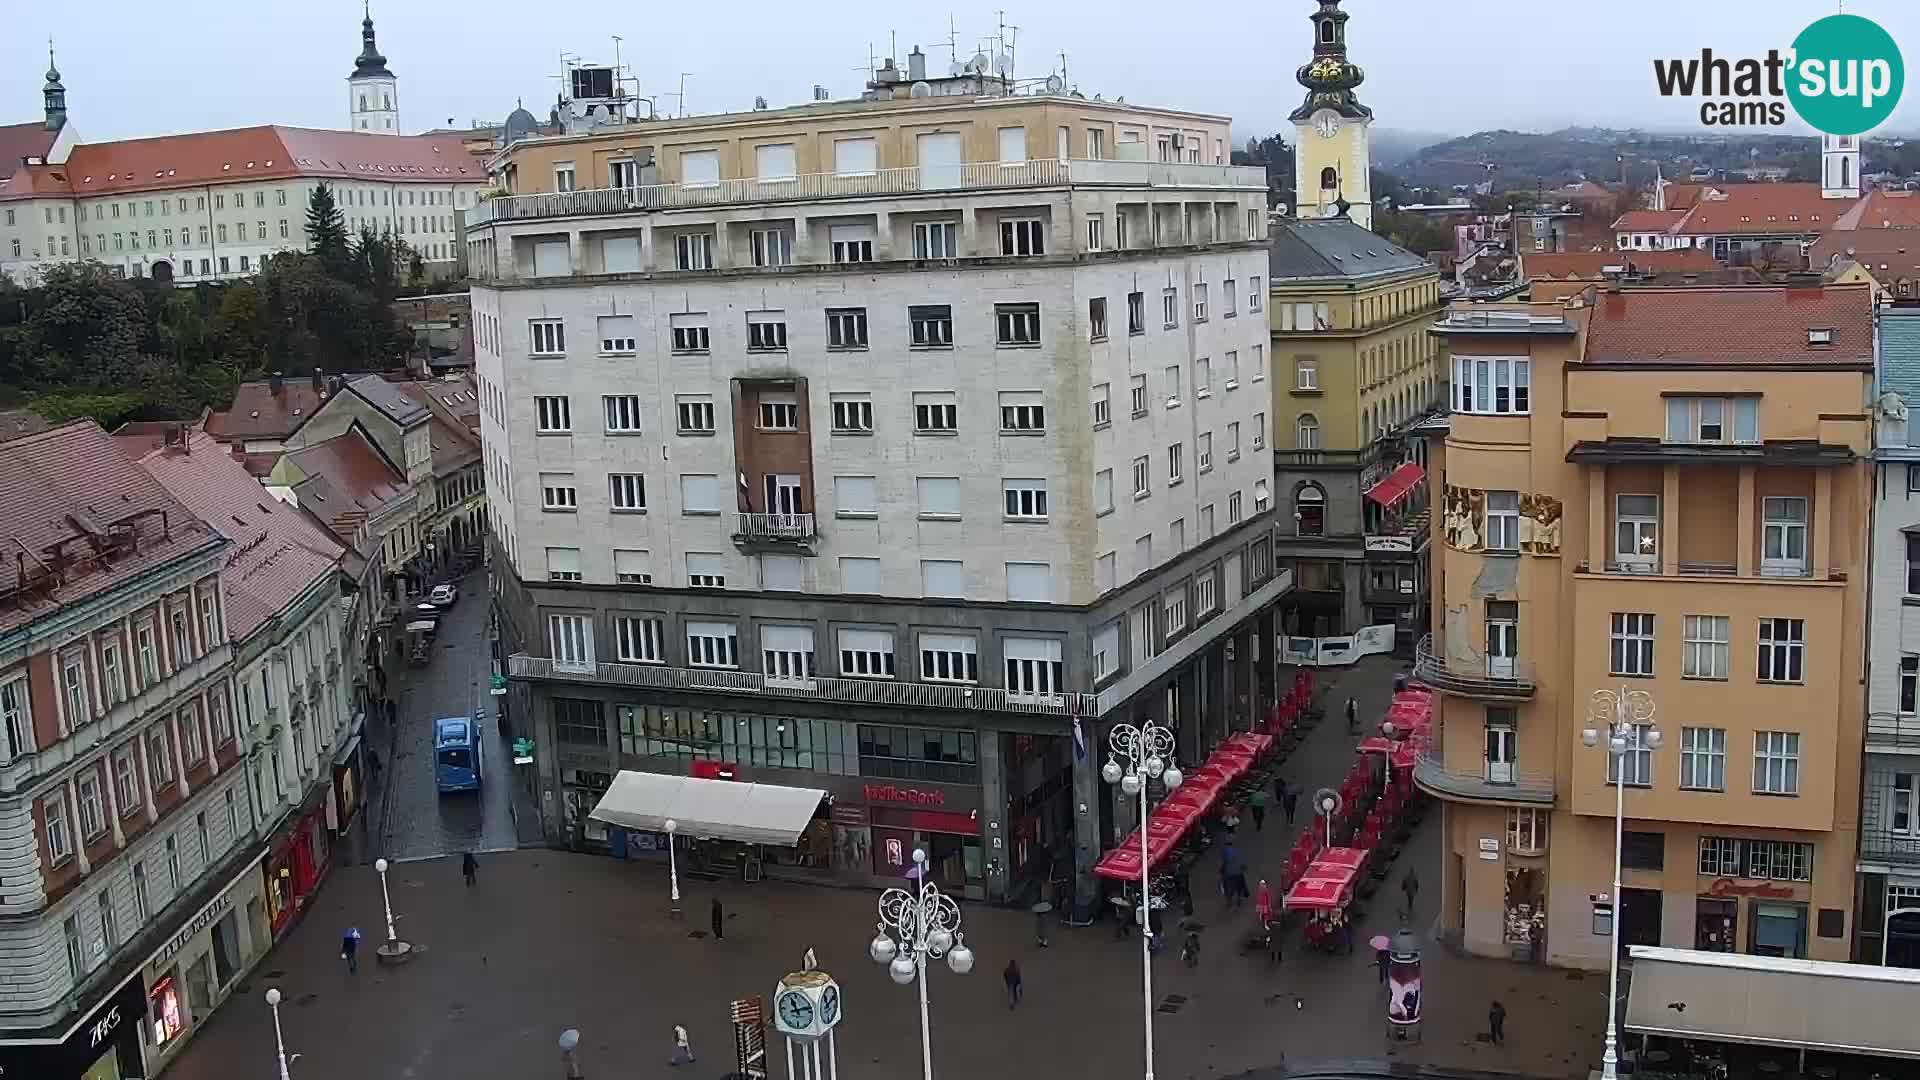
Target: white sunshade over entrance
721, 809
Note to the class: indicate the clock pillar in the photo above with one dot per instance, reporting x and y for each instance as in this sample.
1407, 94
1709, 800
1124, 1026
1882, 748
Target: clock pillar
1331, 161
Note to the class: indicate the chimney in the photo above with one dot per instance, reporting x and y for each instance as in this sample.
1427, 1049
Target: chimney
276, 384
916, 65
319, 382
820, 92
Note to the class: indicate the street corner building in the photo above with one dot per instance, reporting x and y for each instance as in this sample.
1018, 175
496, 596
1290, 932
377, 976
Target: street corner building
134, 810
1662, 490
890, 450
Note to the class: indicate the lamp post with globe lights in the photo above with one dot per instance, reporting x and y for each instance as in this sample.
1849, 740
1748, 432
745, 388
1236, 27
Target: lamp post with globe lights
673, 866
1135, 756
1615, 717
915, 927
279, 1042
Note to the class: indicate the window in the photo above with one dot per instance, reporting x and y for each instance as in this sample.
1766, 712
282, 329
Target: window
1902, 817
771, 247
159, 755
1703, 758
943, 577
563, 564
846, 328
779, 412
936, 412
126, 783
1026, 500
1527, 830
73, 681
1024, 236
786, 654
1503, 521
1632, 643
774, 162
1497, 385
209, 622
695, 414
1782, 650
1206, 593
193, 747
1176, 464
77, 965
936, 240
1137, 385
859, 575
1034, 667
851, 243
548, 337
1096, 144
1022, 412
570, 639
930, 324
856, 156
1783, 540
699, 493
1259, 431
17, 718
558, 493
58, 829
866, 654
1635, 763
1174, 605
1261, 496
939, 496
1200, 302
1713, 420
1310, 511
852, 414
626, 493
1909, 682
552, 414
1306, 374
693, 251
706, 570
1103, 492
690, 332
712, 644
1142, 478
1136, 313
854, 496
1170, 308
1097, 318
623, 413
563, 176
1030, 582
1174, 393
1704, 649
1096, 232
1636, 532
1776, 763
1016, 324
1306, 435
1203, 452
1775, 860
766, 332
1229, 298
1202, 378
949, 658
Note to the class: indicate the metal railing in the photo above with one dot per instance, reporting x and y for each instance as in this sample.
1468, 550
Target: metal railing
1431, 773
1889, 729
788, 528
1713, 569
1894, 849
804, 187
1475, 674
847, 691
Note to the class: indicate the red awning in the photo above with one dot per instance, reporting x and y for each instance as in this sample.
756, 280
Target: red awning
1188, 799
1349, 858
1175, 815
1374, 745
1397, 483
1316, 894
1123, 862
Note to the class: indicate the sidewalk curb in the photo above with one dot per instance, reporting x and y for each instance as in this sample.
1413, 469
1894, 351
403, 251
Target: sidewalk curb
1384, 1069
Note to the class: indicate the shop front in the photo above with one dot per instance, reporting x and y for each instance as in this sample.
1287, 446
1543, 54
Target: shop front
348, 778
104, 1045
888, 819
189, 976
296, 863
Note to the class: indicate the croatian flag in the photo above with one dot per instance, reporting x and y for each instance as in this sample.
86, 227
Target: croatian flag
1079, 739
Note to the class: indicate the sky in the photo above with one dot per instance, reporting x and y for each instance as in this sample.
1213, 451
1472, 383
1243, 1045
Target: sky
135, 68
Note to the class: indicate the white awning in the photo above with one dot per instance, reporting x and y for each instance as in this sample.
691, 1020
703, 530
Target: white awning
421, 626
721, 809
1770, 1001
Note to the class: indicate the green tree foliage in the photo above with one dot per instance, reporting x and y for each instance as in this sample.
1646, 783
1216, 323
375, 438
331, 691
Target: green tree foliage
1276, 155
327, 231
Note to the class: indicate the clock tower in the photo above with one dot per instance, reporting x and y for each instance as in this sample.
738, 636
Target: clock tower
1330, 161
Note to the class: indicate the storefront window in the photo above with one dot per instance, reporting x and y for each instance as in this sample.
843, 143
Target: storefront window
902, 753
1778, 929
1713, 922
164, 1001
779, 742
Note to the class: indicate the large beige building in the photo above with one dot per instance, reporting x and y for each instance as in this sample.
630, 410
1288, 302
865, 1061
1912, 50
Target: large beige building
1635, 495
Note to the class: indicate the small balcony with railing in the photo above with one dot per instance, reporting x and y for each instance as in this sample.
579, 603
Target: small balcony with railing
775, 533
1469, 670
1890, 815
1492, 782
1898, 732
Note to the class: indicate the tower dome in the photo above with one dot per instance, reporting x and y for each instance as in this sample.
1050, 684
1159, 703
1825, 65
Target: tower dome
1330, 78
373, 93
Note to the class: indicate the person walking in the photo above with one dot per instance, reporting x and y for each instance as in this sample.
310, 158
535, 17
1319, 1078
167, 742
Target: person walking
1257, 806
682, 1047
1497, 1024
1380, 957
350, 949
469, 868
1410, 888
719, 916
1263, 903
1353, 717
1014, 985
1289, 803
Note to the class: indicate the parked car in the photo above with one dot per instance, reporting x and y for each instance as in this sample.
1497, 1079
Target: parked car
443, 596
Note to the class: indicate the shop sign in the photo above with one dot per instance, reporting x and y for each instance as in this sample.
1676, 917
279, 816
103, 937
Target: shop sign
207, 917
849, 815
1401, 544
1726, 886
903, 796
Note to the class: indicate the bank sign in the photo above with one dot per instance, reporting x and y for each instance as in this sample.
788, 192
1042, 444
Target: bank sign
1841, 76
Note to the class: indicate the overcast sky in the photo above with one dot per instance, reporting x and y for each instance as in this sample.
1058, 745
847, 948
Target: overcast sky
135, 68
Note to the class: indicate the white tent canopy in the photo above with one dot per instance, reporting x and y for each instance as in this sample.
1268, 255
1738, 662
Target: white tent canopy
721, 809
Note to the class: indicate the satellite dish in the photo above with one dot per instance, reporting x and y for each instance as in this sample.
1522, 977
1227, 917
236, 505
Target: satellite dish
1003, 65
920, 89
1055, 84
956, 69
978, 64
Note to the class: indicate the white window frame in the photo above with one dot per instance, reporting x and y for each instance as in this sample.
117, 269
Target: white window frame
1776, 763
616, 344
771, 247
627, 493
570, 641
16, 719
1703, 759
1782, 656
1503, 521
784, 661
1635, 762
1016, 326
1713, 420
564, 556
558, 495
1023, 237
1142, 477
846, 329
690, 333
640, 570
949, 658
1036, 670
936, 412
777, 413
1644, 557
766, 331
1493, 385
1783, 528
1025, 500
553, 414
693, 413
1632, 643
1306, 373
936, 239
59, 828
866, 654
712, 645
546, 337
852, 414
706, 570
1706, 647
1022, 412
623, 413
693, 251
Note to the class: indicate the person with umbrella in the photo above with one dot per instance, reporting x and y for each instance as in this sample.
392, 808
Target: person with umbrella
1381, 953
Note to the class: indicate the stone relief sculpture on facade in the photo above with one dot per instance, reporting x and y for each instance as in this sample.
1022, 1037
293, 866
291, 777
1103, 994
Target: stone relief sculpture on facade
1539, 524
1460, 636
1462, 516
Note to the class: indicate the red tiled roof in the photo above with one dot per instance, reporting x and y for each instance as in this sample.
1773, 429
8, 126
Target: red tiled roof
280, 552
1890, 255
19, 141
1762, 209
71, 486
1593, 264
1683, 196
259, 413
356, 479
1745, 324
240, 155
1883, 210
1648, 221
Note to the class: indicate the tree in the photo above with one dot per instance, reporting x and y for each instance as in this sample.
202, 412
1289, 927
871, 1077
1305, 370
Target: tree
327, 231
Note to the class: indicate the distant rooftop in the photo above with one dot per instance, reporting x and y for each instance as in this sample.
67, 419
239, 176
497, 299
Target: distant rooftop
1338, 247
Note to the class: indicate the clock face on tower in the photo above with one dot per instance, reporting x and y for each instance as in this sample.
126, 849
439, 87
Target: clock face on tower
830, 1005
1327, 123
796, 1010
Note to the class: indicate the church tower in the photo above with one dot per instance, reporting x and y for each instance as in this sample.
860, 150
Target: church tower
54, 94
1840, 166
373, 94
1330, 160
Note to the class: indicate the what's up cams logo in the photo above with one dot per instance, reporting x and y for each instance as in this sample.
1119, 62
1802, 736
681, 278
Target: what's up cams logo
1842, 76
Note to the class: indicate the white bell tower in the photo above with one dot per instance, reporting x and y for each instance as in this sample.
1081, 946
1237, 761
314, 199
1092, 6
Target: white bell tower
1840, 167
373, 93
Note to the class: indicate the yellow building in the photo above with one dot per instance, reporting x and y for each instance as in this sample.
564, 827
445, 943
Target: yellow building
1354, 368
1633, 496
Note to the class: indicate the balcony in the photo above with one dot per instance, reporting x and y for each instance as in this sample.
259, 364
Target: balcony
1433, 776
1883, 848
774, 532
1472, 674
1887, 731
1326, 459
912, 695
881, 183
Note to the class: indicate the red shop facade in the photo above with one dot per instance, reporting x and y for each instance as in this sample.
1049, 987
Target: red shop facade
878, 823
297, 861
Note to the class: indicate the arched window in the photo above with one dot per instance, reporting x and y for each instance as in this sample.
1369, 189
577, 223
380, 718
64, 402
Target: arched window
1330, 180
1326, 35
1306, 432
386, 102
363, 103
1309, 510
1846, 172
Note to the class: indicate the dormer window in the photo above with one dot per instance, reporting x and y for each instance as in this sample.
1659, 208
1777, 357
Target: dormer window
1820, 337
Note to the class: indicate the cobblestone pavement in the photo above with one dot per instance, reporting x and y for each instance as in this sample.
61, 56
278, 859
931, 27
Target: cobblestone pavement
550, 940
413, 820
